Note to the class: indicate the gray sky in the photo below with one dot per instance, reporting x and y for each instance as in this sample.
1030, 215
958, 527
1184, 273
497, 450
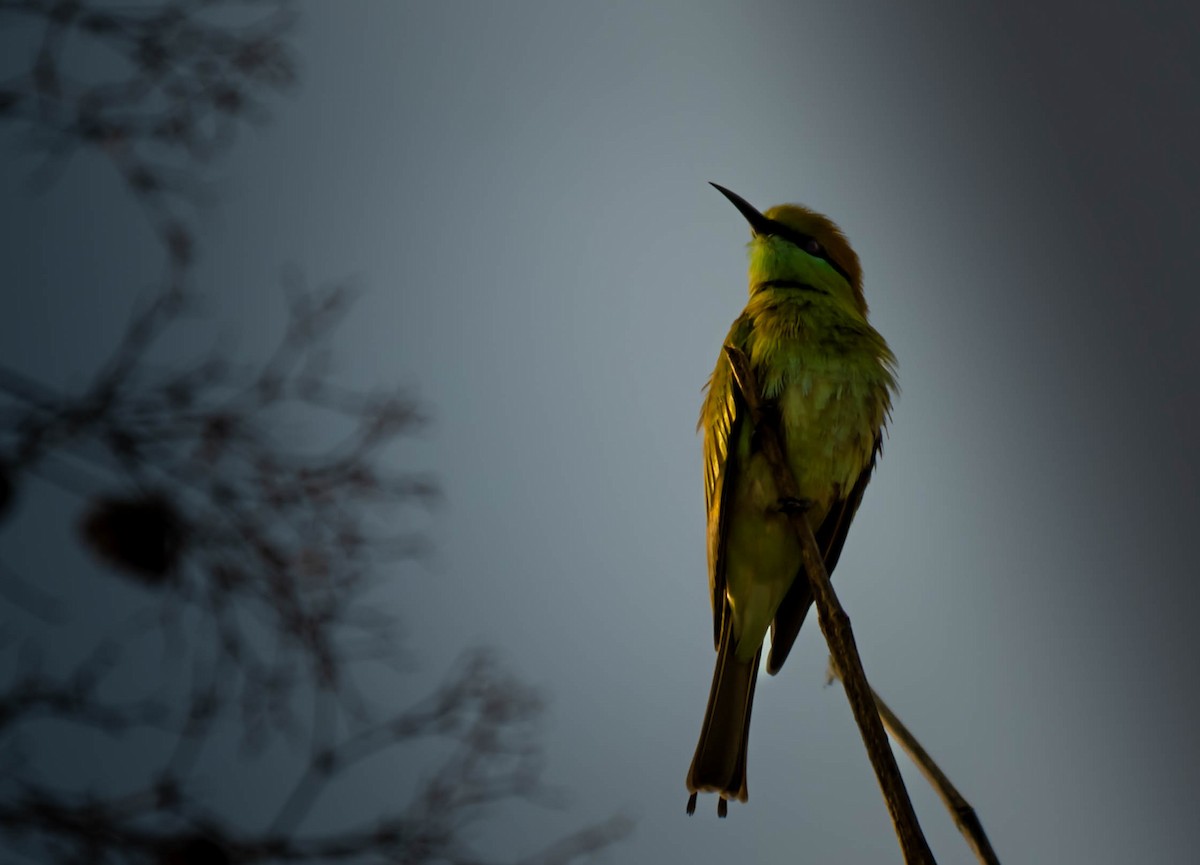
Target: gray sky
520, 189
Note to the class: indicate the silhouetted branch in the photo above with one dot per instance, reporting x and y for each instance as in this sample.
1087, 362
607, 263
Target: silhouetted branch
960, 809
835, 625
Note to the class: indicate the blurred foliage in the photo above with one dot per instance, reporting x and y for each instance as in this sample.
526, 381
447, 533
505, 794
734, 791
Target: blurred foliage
212, 491
187, 75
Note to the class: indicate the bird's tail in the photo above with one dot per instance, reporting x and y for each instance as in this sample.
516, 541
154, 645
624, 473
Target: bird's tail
720, 762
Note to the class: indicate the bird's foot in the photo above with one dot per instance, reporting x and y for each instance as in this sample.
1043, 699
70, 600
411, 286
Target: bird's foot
722, 805
790, 506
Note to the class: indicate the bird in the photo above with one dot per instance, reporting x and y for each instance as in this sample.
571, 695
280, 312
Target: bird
827, 378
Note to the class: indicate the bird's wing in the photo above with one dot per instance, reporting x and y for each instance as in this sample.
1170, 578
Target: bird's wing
721, 418
830, 537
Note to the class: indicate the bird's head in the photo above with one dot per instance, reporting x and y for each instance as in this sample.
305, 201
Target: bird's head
793, 246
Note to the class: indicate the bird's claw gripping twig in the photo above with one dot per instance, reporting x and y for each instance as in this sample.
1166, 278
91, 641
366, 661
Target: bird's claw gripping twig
790, 506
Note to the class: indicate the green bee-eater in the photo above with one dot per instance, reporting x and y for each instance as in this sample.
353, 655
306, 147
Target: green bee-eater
827, 376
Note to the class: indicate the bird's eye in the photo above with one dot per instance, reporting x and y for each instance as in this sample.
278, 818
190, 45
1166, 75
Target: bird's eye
812, 247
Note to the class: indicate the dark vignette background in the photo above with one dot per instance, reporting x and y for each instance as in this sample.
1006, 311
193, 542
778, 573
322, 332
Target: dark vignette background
520, 189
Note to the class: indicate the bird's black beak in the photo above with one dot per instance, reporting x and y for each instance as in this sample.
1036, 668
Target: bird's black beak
759, 224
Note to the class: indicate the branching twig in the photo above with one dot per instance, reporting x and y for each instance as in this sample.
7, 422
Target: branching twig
835, 624
960, 809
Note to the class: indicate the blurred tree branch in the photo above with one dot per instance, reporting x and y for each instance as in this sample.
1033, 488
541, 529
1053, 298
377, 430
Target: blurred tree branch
191, 73
250, 508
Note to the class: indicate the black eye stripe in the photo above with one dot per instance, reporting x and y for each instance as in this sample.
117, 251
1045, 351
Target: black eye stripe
799, 240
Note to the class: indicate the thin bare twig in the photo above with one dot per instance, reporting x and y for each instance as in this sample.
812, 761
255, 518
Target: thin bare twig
835, 625
960, 809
